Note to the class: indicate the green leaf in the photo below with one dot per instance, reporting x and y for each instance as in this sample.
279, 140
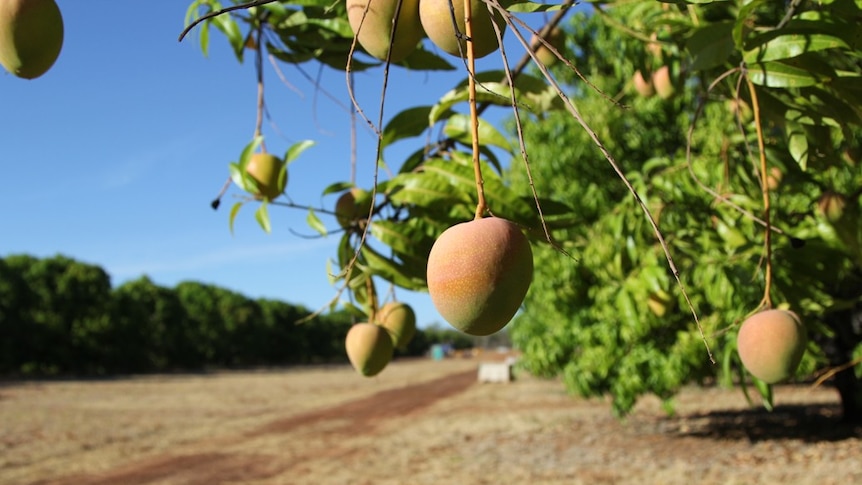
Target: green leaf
296, 149
739, 29
765, 391
408, 123
236, 175
711, 45
204, 38
391, 270
262, 216
230, 29
337, 187
315, 223
787, 43
459, 127
526, 6
797, 143
424, 60
496, 93
249, 149
423, 189
782, 74
407, 237
232, 216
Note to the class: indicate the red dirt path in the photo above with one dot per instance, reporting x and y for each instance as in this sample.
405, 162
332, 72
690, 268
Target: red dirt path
351, 418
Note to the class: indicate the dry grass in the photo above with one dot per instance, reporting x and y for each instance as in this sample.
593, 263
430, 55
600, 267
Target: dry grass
417, 422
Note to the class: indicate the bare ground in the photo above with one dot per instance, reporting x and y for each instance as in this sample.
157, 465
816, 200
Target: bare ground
418, 422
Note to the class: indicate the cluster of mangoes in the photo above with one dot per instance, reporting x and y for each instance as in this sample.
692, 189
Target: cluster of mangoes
370, 346
372, 21
31, 36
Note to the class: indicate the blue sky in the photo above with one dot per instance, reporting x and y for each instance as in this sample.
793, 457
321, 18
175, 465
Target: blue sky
114, 155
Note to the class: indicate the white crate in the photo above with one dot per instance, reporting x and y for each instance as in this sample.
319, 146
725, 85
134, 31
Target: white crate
495, 372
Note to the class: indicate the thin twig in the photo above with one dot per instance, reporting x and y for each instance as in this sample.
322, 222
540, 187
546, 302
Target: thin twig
216, 13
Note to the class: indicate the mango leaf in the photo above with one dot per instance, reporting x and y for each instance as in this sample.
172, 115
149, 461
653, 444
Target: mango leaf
204, 38
526, 6
424, 60
390, 270
765, 391
711, 45
337, 187
228, 26
500, 198
459, 127
496, 93
262, 216
784, 74
787, 43
406, 124
232, 216
741, 25
405, 237
797, 142
315, 223
423, 189
296, 149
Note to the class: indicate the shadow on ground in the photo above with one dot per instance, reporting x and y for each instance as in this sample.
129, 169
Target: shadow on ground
806, 422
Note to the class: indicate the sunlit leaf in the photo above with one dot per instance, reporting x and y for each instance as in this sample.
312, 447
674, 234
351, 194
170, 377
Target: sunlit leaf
262, 217
315, 223
780, 74
787, 43
336, 187
459, 127
296, 149
232, 216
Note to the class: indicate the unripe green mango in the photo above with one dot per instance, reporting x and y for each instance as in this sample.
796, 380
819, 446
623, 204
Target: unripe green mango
373, 35
771, 344
352, 206
400, 320
369, 348
436, 19
556, 37
478, 274
266, 169
31, 36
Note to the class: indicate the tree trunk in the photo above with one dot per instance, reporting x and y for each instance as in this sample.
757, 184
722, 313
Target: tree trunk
847, 328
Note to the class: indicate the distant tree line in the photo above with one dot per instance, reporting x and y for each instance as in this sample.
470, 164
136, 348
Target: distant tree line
59, 316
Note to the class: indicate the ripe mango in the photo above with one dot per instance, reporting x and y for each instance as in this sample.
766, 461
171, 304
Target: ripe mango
373, 35
400, 320
771, 344
369, 348
478, 274
436, 17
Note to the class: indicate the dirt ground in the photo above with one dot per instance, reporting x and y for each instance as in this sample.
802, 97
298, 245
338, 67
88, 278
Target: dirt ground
419, 422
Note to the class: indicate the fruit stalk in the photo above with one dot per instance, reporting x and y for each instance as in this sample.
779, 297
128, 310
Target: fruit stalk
481, 206
764, 188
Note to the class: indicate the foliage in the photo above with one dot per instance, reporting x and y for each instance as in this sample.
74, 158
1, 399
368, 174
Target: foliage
613, 321
771, 94
61, 316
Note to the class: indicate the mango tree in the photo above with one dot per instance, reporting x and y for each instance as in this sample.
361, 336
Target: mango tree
727, 185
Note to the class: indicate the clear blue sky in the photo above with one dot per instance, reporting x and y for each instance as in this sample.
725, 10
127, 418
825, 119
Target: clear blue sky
114, 155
